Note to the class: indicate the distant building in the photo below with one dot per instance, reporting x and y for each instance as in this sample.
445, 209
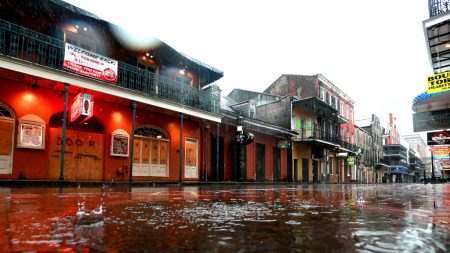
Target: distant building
373, 127
322, 116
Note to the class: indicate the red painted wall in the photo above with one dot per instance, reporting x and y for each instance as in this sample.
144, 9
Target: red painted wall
44, 102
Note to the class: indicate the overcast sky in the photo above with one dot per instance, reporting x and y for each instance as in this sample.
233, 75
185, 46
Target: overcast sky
374, 51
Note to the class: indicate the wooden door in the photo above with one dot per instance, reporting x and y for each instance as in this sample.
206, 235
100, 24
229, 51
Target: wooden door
6, 142
83, 156
191, 159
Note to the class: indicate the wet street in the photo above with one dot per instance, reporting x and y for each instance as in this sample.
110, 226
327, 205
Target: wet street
227, 218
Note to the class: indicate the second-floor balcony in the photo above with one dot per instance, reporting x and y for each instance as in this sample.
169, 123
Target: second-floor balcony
317, 135
35, 48
326, 137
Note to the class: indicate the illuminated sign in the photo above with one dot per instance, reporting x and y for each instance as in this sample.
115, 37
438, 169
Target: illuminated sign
439, 82
438, 138
82, 107
90, 64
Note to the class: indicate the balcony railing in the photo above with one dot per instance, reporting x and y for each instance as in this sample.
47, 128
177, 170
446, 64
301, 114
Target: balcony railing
30, 46
316, 134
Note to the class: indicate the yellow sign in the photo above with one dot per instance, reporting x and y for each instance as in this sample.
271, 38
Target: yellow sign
439, 82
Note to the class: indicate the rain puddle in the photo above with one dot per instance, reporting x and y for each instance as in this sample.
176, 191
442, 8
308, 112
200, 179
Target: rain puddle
304, 218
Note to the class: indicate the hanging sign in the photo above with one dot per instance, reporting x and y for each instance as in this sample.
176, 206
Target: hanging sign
351, 160
439, 82
282, 144
243, 137
82, 107
87, 63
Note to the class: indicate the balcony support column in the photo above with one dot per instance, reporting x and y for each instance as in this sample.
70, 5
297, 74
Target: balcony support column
181, 149
64, 126
133, 128
217, 151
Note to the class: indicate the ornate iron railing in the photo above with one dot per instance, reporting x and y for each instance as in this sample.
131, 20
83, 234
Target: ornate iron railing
437, 7
30, 46
316, 134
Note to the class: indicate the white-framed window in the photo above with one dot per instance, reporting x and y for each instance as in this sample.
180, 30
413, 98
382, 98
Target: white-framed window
322, 94
334, 102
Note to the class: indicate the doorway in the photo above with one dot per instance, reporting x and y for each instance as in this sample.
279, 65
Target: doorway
276, 164
260, 162
315, 165
213, 174
305, 170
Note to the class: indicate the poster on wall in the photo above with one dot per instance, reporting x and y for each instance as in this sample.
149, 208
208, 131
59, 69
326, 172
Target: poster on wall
31, 135
120, 143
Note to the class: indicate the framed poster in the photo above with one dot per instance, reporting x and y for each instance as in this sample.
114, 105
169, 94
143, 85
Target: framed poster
31, 132
120, 141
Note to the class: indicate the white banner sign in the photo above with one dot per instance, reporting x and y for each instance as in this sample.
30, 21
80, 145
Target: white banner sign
90, 64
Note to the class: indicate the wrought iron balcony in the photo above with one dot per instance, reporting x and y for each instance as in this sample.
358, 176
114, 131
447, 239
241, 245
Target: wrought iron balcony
30, 46
437, 7
349, 146
316, 135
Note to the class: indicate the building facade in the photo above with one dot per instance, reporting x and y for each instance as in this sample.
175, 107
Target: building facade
77, 104
375, 148
324, 146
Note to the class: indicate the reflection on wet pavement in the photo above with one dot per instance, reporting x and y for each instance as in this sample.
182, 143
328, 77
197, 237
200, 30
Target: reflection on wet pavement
285, 218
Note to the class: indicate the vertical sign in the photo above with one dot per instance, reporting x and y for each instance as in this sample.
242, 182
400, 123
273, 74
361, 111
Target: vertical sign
82, 107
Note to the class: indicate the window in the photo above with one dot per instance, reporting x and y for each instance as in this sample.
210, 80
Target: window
322, 94
145, 65
79, 40
183, 79
333, 101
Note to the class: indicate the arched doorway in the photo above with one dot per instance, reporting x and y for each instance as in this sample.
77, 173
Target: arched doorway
7, 119
151, 152
83, 155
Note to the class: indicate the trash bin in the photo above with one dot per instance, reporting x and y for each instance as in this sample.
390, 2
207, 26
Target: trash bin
384, 180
